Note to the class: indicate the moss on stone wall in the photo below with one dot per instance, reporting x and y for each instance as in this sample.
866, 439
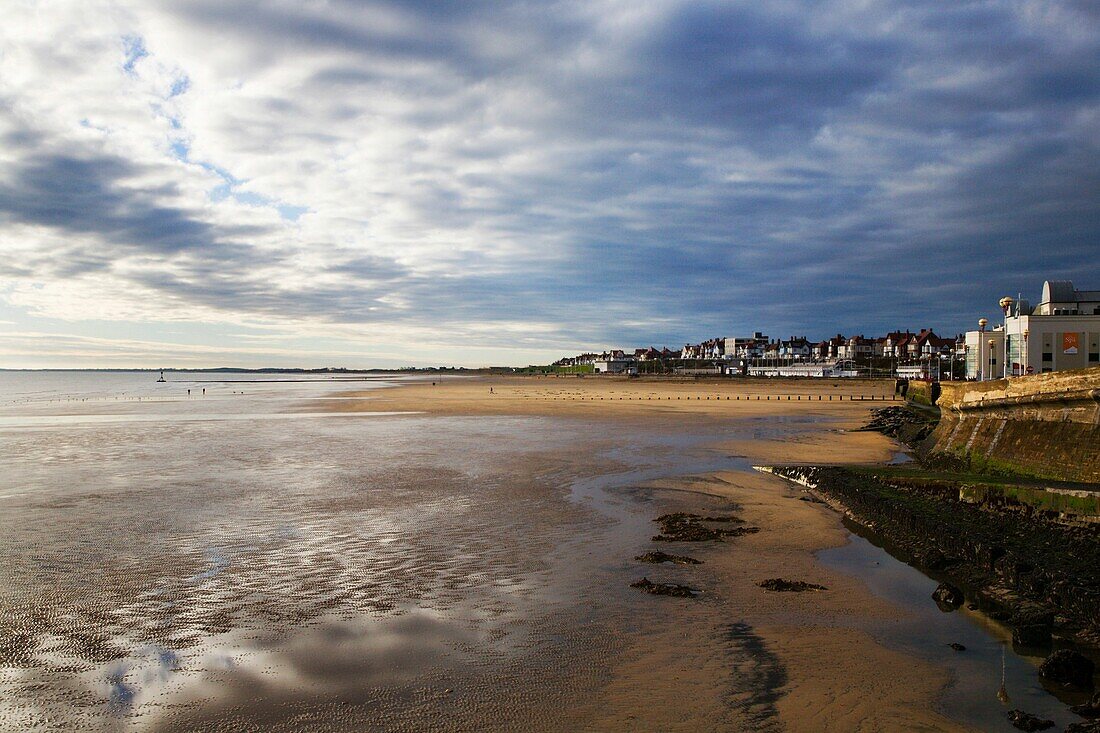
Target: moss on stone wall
1045, 426
1062, 451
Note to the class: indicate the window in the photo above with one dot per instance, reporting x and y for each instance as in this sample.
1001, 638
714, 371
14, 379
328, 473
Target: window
1048, 356
1094, 357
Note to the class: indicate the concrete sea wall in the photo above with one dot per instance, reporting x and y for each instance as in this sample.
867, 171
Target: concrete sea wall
1046, 426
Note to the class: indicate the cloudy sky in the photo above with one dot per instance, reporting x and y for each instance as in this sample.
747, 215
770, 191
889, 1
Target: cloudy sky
339, 182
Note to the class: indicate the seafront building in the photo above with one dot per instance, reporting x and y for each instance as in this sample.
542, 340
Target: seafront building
1061, 332
922, 354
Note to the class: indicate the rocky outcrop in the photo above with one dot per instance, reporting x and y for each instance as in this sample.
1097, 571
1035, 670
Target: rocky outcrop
1090, 709
664, 589
1069, 669
906, 425
1027, 721
789, 586
685, 527
1021, 568
661, 557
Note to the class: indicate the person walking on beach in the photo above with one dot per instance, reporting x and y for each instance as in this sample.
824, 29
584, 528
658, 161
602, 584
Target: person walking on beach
490, 390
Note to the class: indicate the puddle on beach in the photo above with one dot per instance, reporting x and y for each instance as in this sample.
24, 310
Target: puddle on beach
926, 632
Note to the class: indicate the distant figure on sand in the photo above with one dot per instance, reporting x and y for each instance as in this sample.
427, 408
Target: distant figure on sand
490, 390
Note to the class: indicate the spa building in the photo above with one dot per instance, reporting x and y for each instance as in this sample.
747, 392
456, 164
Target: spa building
1061, 332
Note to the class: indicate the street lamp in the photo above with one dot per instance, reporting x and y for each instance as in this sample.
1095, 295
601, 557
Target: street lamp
981, 360
991, 358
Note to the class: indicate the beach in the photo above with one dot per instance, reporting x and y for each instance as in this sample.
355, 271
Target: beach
833, 671
425, 554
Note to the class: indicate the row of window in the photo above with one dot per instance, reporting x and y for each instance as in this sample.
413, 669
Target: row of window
1074, 311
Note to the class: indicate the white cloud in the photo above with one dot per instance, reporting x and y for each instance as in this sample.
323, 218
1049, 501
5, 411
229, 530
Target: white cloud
491, 174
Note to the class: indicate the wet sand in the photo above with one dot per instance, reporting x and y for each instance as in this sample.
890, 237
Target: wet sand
466, 567
814, 664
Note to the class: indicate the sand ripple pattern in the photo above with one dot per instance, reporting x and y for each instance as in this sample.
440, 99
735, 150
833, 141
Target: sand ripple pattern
319, 575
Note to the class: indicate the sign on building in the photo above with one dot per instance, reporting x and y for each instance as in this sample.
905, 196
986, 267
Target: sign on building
1070, 343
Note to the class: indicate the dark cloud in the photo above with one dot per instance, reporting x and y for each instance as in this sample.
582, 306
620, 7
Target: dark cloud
709, 169
89, 195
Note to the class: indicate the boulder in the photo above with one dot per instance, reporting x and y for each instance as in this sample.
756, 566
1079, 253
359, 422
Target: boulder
947, 597
1027, 721
1031, 635
957, 646
1090, 709
1085, 726
1068, 668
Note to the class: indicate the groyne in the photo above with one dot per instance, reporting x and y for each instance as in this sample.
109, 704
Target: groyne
1044, 426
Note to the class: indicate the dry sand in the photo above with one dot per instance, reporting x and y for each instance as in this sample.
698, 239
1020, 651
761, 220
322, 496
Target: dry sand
828, 671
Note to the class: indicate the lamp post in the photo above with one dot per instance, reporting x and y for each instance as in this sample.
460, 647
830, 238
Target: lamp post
981, 357
991, 342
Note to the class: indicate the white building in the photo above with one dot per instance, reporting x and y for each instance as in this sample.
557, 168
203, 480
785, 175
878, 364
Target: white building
615, 366
1061, 332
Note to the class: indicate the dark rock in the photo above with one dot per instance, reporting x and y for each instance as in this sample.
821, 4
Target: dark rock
972, 606
1085, 726
664, 589
947, 597
1090, 709
932, 560
1027, 721
685, 527
957, 646
1069, 668
1034, 617
790, 586
895, 421
1031, 635
659, 557
810, 498
738, 531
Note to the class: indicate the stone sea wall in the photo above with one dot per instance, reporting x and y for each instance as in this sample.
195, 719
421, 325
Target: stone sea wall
1046, 426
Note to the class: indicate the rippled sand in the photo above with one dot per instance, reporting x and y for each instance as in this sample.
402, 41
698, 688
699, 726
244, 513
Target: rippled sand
421, 572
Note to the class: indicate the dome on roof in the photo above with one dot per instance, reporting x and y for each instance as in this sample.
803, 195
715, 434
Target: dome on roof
1058, 291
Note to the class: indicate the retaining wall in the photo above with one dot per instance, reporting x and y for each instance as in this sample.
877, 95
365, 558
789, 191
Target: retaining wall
1047, 426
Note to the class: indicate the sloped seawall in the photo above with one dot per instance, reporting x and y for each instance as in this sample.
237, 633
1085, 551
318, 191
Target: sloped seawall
1046, 426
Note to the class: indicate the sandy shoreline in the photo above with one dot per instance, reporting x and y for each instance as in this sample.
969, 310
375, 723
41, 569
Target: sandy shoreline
464, 564
835, 676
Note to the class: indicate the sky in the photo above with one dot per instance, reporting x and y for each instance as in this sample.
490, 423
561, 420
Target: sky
379, 184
